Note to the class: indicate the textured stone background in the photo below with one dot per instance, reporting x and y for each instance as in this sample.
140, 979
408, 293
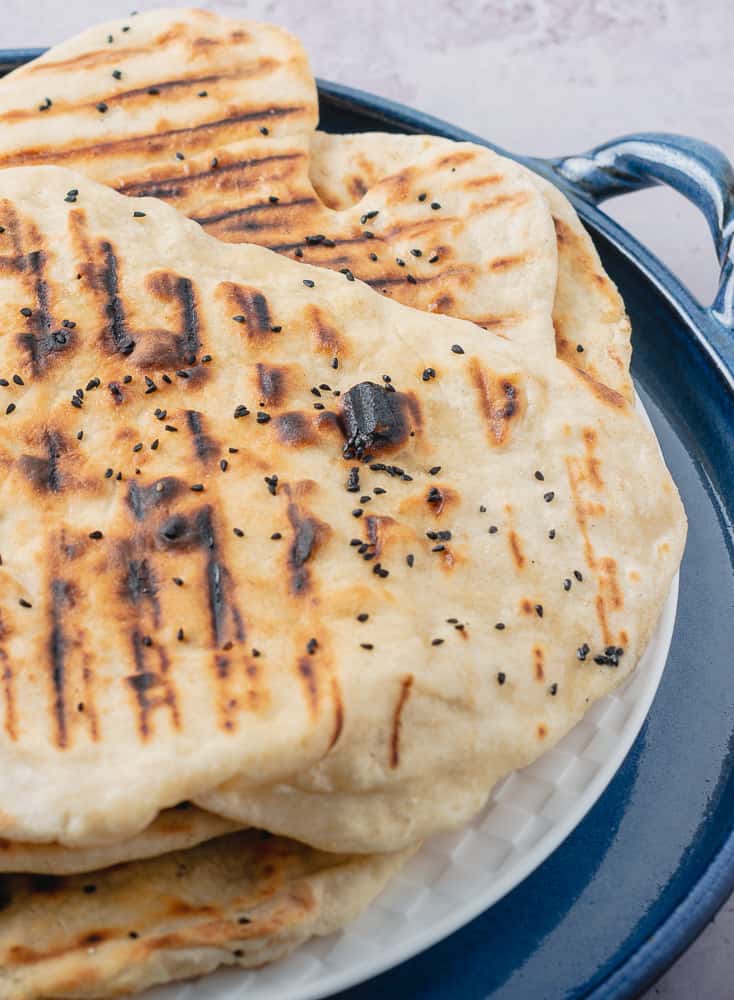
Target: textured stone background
536, 76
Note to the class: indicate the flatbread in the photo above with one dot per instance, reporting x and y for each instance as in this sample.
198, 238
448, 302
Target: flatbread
588, 311
119, 718
239, 900
174, 830
188, 79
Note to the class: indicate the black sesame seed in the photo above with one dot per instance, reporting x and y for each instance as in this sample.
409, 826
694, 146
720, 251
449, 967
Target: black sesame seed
138, 215
319, 406
233, 451
264, 130
311, 646
373, 256
203, 93
89, 889
273, 199
582, 652
552, 534
102, 107
362, 617
457, 349
180, 635
262, 418
4, 382
198, 487
138, 446
147, 641
357, 512
79, 435
410, 559
308, 283
25, 311
548, 496
539, 610
566, 584
11, 406
433, 259
500, 626
241, 411
539, 475
411, 279
117, 74
154, 445
553, 689
223, 464
182, 373
422, 196
276, 536
108, 473
501, 678
435, 205
180, 156
178, 581
335, 363
47, 102
437, 642
206, 359
239, 532
24, 603
95, 534
18, 380
579, 576
347, 273
580, 348
416, 252
434, 470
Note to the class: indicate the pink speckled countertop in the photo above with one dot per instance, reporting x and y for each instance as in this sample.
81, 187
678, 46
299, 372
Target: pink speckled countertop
539, 77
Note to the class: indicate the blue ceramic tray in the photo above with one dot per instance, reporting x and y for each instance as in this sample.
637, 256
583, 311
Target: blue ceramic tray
611, 909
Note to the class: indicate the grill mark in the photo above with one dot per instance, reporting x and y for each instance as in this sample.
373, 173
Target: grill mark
114, 310
538, 663
154, 188
458, 271
203, 444
294, 429
271, 381
505, 263
141, 585
338, 712
308, 674
405, 687
499, 399
253, 305
100, 57
90, 711
60, 600
262, 66
189, 314
11, 720
142, 499
217, 578
259, 206
602, 392
308, 533
326, 336
143, 681
151, 141
44, 473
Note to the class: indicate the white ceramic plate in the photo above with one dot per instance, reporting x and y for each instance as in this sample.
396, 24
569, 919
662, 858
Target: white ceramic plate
454, 877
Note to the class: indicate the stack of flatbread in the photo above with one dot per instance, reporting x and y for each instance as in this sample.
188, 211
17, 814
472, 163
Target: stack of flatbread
325, 501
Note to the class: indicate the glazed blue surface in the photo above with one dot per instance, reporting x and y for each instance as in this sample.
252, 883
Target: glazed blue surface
654, 859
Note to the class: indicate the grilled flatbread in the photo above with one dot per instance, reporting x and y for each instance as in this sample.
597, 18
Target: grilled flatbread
486, 253
592, 329
261, 454
157, 87
174, 830
244, 899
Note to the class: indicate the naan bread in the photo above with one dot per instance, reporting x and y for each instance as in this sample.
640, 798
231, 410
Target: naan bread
235, 347
153, 88
244, 899
487, 252
174, 830
588, 311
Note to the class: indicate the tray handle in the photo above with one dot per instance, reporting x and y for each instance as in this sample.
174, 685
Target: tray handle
697, 170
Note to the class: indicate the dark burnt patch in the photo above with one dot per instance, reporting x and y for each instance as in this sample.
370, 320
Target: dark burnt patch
226, 621
255, 218
140, 584
602, 392
142, 499
272, 383
46, 884
307, 672
308, 534
178, 532
163, 348
326, 337
377, 528
295, 429
171, 187
374, 419
42, 471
